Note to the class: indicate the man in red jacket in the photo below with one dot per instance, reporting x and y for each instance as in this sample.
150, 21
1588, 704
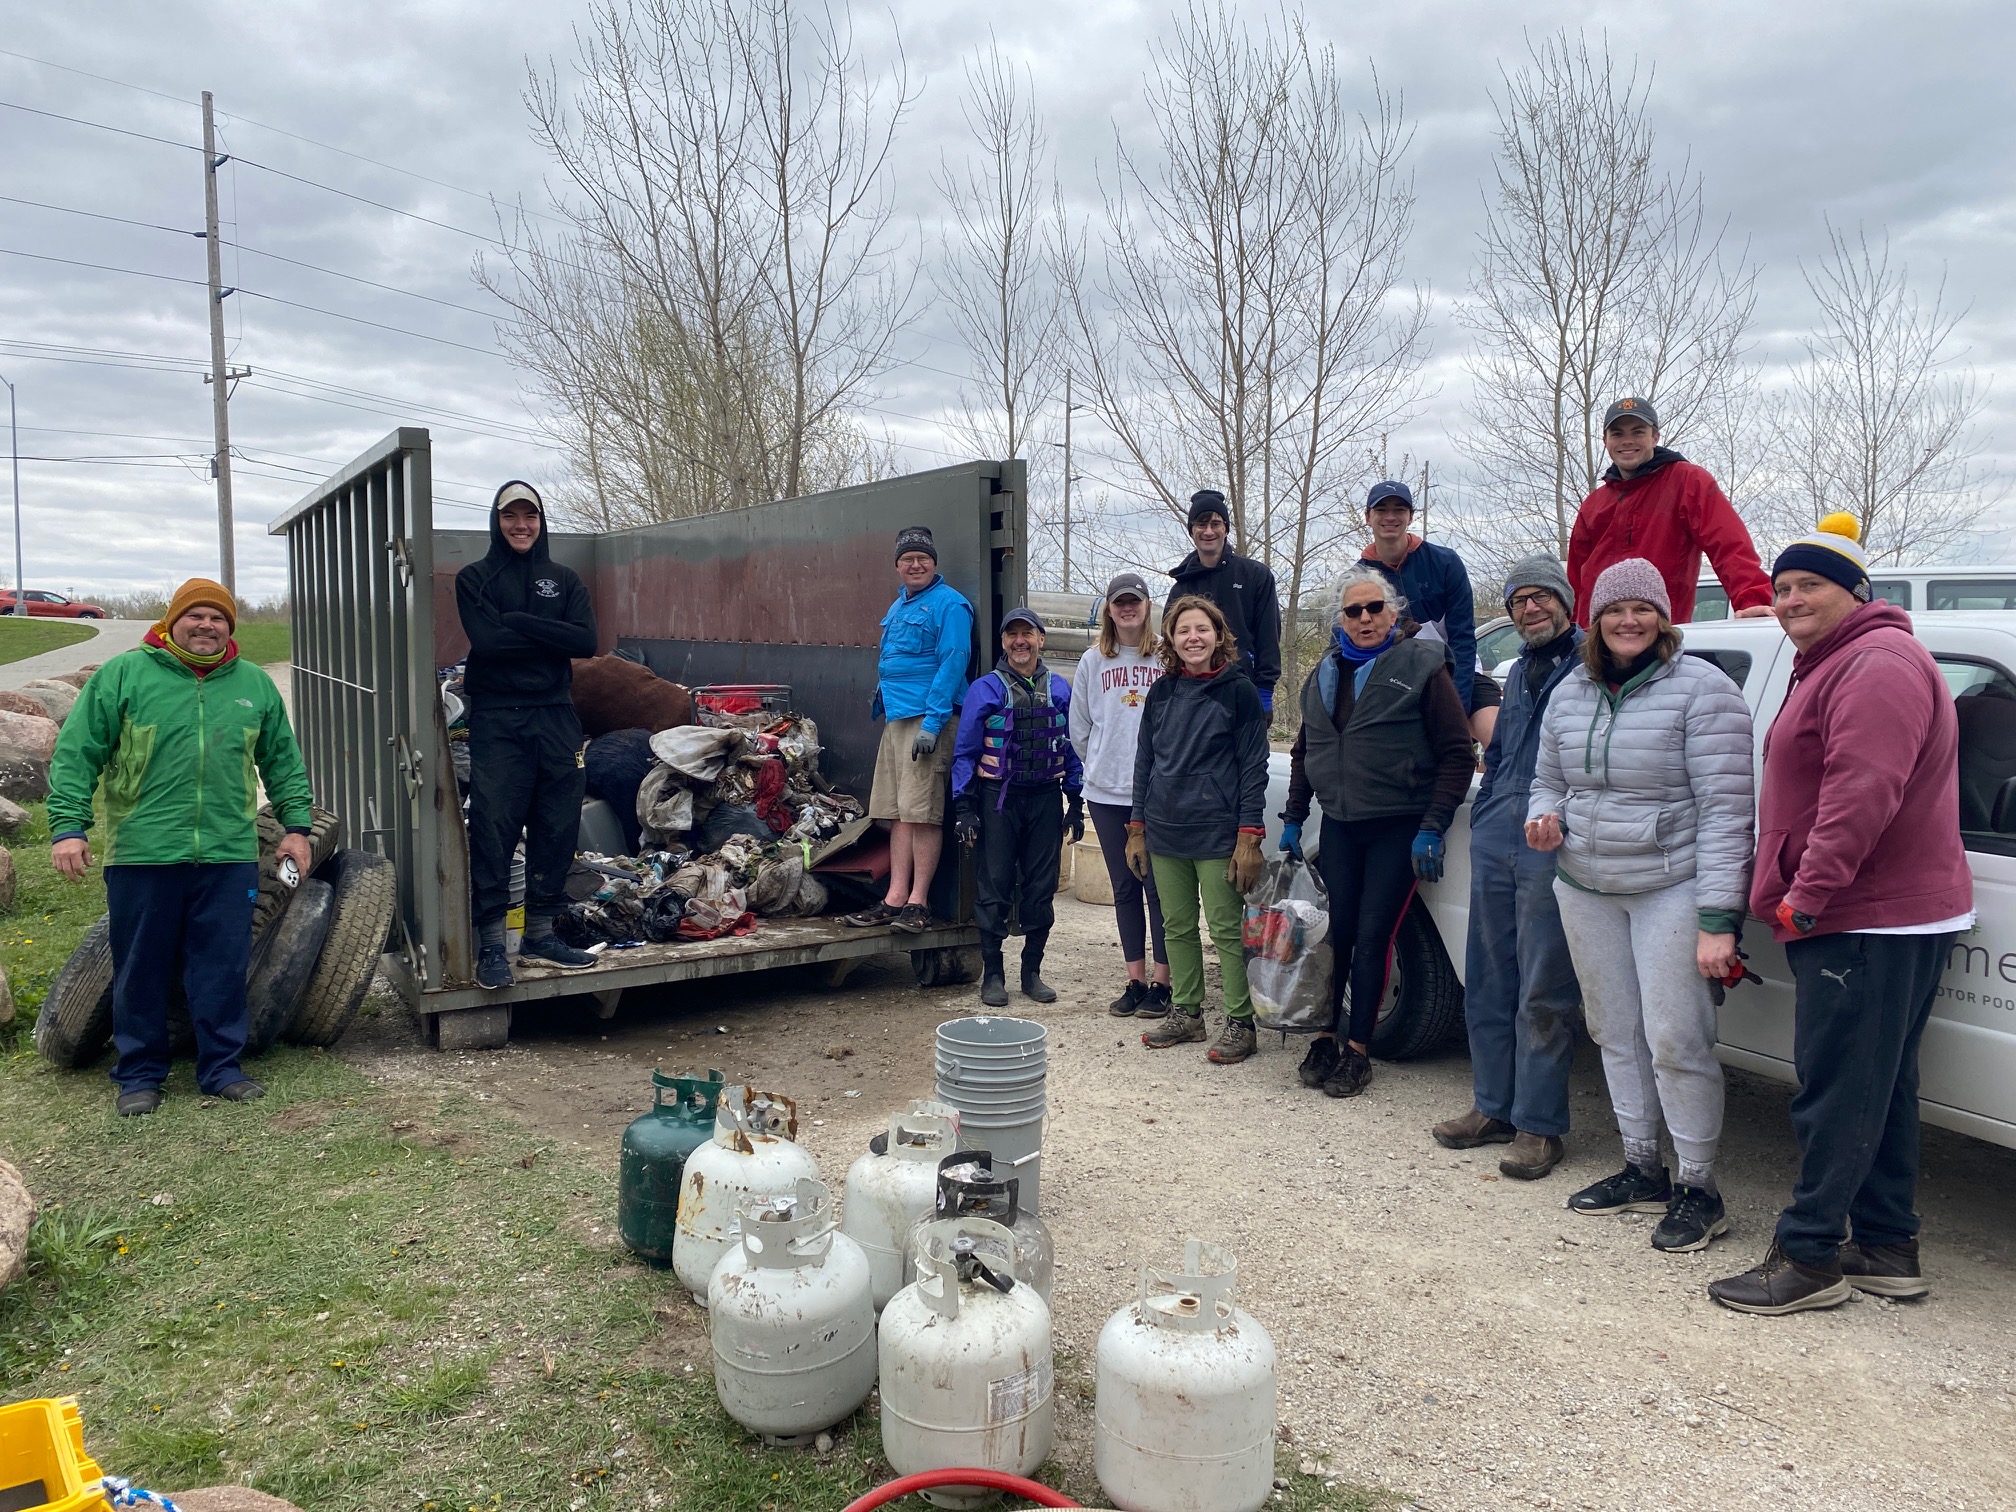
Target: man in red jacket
1861, 869
1654, 503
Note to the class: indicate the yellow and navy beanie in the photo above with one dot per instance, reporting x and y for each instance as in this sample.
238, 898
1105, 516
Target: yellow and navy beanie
1833, 552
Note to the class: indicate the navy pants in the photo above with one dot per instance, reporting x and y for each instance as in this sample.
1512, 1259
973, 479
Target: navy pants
192, 920
1861, 1005
1021, 848
1368, 871
525, 777
1520, 994
1135, 904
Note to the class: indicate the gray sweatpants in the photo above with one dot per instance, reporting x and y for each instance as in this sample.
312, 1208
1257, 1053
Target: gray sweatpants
1648, 1008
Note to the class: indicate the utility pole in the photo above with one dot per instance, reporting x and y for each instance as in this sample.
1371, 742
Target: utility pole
219, 377
1067, 480
14, 432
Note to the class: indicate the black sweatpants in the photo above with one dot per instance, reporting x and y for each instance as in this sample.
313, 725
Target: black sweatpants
196, 921
1368, 870
1109, 823
525, 776
1021, 847
1860, 1005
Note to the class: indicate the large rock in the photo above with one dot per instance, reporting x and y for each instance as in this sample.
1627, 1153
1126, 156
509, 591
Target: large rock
13, 702
17, 1216
230, 1499
57, 699
26, 744
7, 886
6, 999
75, 679
13, 817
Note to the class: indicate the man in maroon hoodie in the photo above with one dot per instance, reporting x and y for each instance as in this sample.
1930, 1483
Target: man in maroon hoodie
1654, 503
1861, 871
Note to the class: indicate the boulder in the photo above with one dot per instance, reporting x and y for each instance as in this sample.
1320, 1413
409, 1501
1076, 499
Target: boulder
7, 886
29, 735
56, 698
13, 817
17, 1216
6, 999
611, 693
75, 679
13, 702
230, 1499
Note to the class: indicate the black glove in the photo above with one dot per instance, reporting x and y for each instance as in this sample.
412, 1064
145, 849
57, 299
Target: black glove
1074, 816
966, 822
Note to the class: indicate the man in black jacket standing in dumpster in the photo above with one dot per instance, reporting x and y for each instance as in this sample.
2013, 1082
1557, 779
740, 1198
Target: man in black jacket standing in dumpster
527, 617
1242, 588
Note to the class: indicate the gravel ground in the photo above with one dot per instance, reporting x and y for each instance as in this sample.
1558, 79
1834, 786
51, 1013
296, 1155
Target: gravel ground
1457, 1337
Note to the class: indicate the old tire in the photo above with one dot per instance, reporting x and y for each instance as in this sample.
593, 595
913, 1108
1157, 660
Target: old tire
1423, 1010
325, 834
283, 961
75, 1024
366, 905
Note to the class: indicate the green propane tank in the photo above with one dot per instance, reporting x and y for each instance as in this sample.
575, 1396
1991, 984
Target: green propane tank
655, 1148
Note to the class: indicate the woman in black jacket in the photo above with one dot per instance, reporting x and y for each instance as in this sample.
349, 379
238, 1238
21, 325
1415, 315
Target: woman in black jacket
1385, 746
1199, 815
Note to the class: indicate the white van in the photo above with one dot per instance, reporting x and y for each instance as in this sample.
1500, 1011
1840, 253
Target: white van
1968, 1061
1917, 589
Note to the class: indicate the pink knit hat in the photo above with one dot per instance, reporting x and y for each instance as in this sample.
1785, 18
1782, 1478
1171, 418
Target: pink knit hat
1632, 578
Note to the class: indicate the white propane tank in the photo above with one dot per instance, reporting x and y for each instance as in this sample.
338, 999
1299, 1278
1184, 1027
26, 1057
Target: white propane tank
792, 1317
1184, 1399
895, 1184
753, 1154
965, 1357
970, 1185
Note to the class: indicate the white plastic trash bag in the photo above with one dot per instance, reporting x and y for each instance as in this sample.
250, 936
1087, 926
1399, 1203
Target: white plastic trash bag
664, 805
696, 752
1286, 935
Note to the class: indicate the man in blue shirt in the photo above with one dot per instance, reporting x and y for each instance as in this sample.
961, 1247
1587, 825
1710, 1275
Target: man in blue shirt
927, 645
1434, 579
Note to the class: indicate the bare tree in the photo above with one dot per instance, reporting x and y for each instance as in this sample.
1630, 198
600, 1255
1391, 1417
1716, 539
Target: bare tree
1597, 276
1247, 327
1884, 424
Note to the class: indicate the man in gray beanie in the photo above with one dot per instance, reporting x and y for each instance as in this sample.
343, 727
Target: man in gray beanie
1520, 992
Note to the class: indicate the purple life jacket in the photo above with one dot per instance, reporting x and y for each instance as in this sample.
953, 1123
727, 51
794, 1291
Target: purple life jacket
1023, 744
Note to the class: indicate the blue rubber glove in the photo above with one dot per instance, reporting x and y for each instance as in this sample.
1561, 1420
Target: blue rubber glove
1428, 856
1291, 839
1267, 699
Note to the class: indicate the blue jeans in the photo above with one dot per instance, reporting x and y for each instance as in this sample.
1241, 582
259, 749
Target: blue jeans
1520, 994
197, 918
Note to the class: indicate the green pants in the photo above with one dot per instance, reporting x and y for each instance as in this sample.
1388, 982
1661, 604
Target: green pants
1180, 883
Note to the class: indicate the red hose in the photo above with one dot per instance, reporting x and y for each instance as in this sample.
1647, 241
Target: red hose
992, 1480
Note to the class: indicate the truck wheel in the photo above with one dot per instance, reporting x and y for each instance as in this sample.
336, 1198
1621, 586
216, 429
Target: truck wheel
282, 963
76, 1019
366, 903
1424, 1001
929, 967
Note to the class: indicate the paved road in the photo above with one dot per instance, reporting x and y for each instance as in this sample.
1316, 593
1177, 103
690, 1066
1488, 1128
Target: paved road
113, 637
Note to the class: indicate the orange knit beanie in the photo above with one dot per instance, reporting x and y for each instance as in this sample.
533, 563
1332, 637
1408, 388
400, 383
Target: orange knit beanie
201, 593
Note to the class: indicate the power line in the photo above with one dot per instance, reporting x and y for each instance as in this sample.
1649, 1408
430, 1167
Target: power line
99, 125
96, 215
101, 78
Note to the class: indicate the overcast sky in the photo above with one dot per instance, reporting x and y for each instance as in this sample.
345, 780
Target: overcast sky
1891, 116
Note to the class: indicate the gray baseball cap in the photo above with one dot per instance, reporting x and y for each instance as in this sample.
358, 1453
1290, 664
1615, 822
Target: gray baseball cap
1632, 408
1130, 582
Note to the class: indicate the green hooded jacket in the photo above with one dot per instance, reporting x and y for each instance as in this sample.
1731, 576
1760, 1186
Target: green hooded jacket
167, 765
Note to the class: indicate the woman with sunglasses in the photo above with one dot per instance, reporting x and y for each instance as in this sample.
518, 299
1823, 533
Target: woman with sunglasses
1385, 747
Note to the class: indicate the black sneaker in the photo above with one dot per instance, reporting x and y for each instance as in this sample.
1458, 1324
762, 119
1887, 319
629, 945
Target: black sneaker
493, 969
1882, 1270
1319, 1062
1158, 1002
139, 1103
242, 1090
1693, 1218
554, 951
1629, 1191
1124, 1005
1352, 1076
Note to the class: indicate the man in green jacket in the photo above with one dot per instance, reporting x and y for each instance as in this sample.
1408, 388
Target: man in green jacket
164, 753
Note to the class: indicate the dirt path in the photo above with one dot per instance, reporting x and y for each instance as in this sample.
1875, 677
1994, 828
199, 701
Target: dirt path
1453, 1335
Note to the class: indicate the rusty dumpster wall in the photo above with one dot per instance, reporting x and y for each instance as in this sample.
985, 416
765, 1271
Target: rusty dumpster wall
455, 549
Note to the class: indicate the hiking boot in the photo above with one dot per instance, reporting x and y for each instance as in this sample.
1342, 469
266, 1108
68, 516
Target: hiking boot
242, 1090
1778, 1284
1158, 1002
912, 918
1352, 1076
1236, 1042
1471, 1130
1693, 1219
1531, 1156
1320, 1061
1179, 1028
1882, 1270
554, 951
993, 980
1124, 1005
493, 970
139, 1102
871, 918
1629, 1191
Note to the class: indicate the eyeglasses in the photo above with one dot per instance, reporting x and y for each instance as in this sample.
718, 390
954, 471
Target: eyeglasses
1352, 611
1539, 596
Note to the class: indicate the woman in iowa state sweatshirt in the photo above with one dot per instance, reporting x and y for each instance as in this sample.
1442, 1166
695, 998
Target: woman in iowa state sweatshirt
1108, 692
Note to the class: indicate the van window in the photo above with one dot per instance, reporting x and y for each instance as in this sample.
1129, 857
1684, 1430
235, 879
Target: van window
1984, 697
1710, 603
1894, 590
1971, 593
1498, 644
1734, 665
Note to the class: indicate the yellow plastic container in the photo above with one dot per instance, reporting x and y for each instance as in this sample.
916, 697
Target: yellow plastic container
42, 1456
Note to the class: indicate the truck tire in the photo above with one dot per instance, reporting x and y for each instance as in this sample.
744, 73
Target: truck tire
366, 889
283, 961
325, 834
1423, 1010
75, 1024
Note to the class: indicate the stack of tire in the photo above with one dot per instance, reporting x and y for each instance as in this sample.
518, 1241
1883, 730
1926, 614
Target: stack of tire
315, 948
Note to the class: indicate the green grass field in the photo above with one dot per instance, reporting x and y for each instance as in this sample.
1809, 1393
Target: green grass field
21, 638
264, 641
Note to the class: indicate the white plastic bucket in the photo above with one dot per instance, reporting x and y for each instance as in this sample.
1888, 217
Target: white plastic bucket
995, 1070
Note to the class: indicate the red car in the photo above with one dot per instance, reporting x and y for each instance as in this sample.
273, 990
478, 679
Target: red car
50, 604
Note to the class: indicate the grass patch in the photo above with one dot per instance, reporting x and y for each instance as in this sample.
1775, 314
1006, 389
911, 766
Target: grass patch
49, 915
264, 641
22, 638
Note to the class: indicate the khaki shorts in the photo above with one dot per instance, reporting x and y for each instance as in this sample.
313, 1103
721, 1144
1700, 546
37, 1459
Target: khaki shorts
912, 792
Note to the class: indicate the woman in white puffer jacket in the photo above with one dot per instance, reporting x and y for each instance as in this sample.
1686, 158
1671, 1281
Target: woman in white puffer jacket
1645, 791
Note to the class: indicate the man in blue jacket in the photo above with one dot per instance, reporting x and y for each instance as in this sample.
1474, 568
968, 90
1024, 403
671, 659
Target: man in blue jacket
1519, 988
1013, 758
927, 645
1436, 582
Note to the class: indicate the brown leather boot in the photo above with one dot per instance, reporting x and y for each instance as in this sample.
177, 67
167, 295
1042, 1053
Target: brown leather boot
1531, 1156
1471, 1130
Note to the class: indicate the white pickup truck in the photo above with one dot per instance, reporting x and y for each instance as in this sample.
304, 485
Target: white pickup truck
1968, 1063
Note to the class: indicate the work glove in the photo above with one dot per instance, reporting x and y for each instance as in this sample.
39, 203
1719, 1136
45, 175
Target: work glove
1074, 816
1137, 850
1428, 856
966, 822
1291, 838
1790, 918
925, 743
1267, 699
1243, 870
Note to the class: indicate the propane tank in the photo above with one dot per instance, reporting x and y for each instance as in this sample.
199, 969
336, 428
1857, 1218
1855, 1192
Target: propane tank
793, 1318
965, 1358
893, 1186
753, 1154
655, 1148
1184, 1400
969, 1187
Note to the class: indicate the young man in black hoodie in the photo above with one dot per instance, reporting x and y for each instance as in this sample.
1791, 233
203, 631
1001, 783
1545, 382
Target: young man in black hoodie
527, 617
1242, 588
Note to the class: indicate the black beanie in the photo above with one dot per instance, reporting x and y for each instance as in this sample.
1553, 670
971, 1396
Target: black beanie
1208, 501
915, 538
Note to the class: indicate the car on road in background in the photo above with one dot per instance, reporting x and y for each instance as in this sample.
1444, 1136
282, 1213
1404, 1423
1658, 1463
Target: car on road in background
51, 605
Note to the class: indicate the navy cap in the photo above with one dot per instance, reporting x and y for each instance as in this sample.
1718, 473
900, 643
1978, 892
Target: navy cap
1390, 489
1023, 617
1632, 408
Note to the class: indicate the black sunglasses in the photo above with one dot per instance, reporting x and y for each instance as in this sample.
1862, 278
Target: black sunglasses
1376, 606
